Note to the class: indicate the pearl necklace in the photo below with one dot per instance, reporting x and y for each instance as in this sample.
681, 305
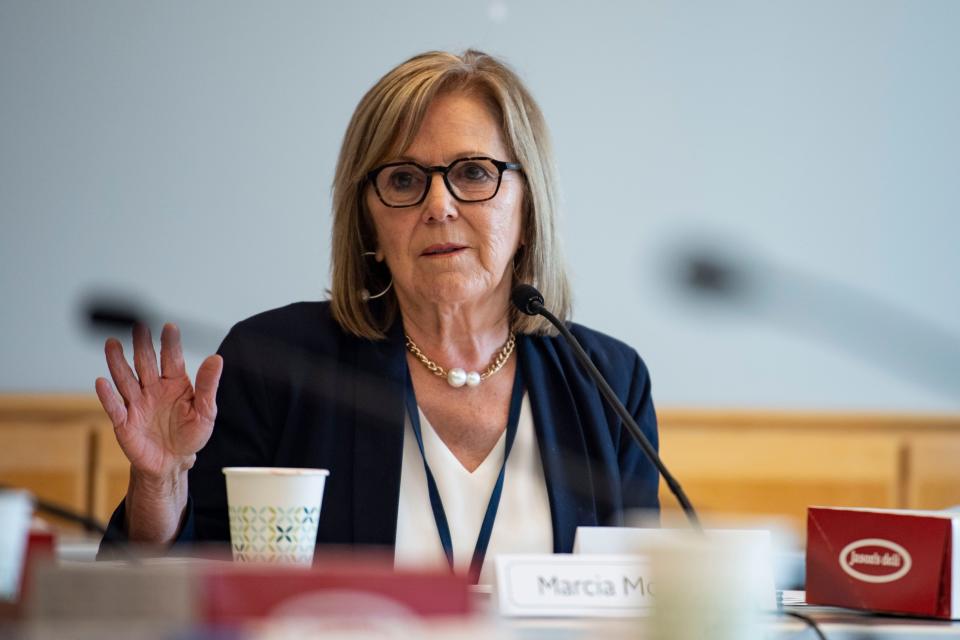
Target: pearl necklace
457, 377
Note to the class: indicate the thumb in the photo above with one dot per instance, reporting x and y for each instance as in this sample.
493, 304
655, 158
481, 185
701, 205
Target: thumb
205, 394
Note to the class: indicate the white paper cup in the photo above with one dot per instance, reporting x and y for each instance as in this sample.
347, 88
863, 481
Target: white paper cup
711, 586
16, 509
274, 513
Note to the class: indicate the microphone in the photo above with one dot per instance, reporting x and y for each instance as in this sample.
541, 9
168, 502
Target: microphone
526, 298
530, 301
852, 320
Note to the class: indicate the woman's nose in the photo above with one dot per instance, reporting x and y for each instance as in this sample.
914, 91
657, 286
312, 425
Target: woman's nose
439, 203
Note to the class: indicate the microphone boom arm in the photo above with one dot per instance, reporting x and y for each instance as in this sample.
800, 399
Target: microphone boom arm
536, 306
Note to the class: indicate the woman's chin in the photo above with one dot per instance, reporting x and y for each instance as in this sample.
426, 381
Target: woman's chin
455, 289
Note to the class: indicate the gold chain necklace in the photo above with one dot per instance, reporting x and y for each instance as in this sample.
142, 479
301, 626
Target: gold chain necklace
457, 377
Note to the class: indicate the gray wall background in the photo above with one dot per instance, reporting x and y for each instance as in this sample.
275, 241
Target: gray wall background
183, 152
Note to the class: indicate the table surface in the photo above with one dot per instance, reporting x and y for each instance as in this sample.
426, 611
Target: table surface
836, 624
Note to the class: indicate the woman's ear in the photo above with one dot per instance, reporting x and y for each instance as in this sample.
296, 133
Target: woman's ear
378, 255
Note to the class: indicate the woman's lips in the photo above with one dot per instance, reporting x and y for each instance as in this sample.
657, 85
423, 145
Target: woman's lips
442, 250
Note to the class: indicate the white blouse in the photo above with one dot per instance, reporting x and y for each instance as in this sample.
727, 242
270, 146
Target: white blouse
523, 523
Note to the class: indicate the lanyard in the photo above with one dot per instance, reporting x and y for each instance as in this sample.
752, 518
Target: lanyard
439, 515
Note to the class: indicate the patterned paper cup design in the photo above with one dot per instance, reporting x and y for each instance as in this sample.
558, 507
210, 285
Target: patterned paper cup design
274, 513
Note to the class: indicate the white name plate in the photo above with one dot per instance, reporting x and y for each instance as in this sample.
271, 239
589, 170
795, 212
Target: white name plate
568, 585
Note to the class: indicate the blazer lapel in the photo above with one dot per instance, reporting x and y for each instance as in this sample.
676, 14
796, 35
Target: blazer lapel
566, 464
378, 420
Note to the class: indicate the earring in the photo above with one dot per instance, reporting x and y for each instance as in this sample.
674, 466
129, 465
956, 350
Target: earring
364, 293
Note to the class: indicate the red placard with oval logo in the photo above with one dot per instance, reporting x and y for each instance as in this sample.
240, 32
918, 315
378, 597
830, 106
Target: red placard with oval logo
879, 561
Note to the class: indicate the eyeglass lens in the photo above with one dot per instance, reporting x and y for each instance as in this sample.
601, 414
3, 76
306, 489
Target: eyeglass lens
468, 179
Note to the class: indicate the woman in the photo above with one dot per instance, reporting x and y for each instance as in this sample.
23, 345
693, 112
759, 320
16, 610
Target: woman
428, 398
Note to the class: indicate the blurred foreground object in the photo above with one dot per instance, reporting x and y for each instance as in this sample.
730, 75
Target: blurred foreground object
712, 586
849, 319
212, 592
16, 510
110, 312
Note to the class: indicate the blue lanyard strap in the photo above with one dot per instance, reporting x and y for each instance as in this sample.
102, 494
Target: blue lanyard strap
439, 515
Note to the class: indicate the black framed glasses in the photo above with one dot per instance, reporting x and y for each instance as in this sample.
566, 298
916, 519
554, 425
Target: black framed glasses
406, 184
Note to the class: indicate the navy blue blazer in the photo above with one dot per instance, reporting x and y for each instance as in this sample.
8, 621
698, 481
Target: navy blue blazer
297, 391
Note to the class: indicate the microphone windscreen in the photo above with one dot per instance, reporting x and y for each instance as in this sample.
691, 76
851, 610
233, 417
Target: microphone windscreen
113, 316
526, 298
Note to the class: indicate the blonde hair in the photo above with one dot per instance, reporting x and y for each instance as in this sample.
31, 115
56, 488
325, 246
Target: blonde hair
384, 125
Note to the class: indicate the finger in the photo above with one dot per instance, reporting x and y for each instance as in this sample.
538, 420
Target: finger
120, 371
112, 403
171, 353
205, 390
144, 357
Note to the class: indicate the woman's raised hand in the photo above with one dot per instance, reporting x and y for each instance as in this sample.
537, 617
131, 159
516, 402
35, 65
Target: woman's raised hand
160, 418
161, 421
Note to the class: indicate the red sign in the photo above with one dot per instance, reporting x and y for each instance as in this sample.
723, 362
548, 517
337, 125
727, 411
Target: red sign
238, 593
877, 560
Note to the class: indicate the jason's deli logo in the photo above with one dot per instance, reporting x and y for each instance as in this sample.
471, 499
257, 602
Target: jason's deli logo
875, 560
